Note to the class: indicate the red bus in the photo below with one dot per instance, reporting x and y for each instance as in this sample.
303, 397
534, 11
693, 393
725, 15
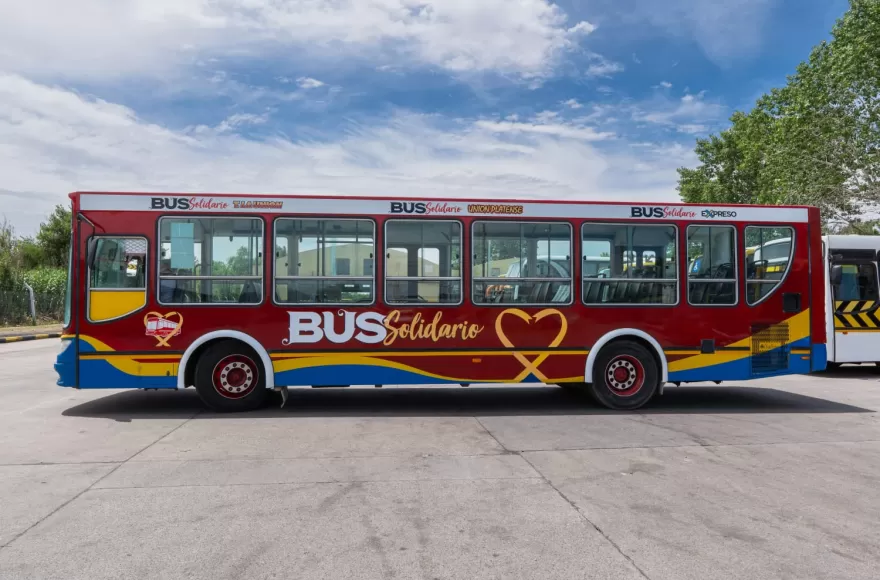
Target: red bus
236, 295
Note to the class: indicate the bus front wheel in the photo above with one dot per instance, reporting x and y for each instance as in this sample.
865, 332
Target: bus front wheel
625, 376
229, 377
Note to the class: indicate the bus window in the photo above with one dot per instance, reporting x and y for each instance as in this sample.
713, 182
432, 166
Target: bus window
857, 282
210, 260
324, 261
596, 259
624, 264
117, 278
422, 262
711, 265
521, 263
120, 264
768, 262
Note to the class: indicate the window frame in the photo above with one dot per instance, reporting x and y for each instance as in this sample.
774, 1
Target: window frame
736, 251
89, 289
634, 304
68, 284
261, 278
787, 266
853, 262
325, 218
386, 277
475, 279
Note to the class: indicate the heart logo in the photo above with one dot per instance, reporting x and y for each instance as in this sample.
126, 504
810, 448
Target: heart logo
163, 327
531, 366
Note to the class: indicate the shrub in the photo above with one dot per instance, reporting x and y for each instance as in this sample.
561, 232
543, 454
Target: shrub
47, 280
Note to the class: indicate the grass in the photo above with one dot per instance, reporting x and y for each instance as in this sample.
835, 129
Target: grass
40, 328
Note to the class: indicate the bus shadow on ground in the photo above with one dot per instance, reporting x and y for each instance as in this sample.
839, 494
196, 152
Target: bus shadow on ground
865, 372
472, 401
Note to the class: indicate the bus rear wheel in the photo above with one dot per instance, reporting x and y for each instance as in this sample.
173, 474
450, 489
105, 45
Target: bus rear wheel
229, 377
625, 376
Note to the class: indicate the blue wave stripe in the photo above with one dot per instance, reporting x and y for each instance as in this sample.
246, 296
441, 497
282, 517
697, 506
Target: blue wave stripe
739, 370
359, 375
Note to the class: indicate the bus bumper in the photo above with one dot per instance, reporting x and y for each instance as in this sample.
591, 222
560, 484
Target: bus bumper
65, 364
819, 359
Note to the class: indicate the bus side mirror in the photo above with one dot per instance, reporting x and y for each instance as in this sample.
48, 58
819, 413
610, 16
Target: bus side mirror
836, 275
90, 252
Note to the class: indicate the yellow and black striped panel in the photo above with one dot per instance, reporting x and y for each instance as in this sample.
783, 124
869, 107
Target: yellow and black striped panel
856, 315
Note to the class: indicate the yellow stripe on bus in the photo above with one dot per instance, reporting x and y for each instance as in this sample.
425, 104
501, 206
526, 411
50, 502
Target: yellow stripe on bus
798, 329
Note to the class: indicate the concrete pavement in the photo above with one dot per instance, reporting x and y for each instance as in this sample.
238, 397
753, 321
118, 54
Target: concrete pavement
770, 479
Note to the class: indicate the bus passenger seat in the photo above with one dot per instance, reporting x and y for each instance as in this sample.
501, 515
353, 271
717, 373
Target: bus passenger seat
591, 291
249, 294
619, 294
562, 294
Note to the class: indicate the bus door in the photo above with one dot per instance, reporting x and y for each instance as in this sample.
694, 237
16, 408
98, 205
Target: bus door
854, 287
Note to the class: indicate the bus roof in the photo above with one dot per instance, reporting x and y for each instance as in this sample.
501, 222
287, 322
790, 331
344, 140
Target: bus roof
852, 242
402, 198
416, 206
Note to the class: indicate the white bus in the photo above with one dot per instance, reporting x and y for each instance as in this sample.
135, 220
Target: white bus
852, 318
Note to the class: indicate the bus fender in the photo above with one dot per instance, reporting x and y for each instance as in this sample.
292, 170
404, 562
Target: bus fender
623, 333
233, 334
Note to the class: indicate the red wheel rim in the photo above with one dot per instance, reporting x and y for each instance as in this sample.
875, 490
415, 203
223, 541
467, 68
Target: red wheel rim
235, 376
624, 375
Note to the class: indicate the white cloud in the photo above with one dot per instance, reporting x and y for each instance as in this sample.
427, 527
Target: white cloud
692, 128
665, 84
236, 122
690, 114
582, 27
602, 67
546, 117
104, 39
726, 31
308, 83
554, 129
55, 141
572, 104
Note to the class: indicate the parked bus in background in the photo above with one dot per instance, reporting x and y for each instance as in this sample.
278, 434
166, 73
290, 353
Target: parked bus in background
852, 303
236, 295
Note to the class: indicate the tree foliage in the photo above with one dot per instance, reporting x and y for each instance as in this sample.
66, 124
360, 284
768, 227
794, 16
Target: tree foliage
39, 259
815, 141
54, 237
9, 269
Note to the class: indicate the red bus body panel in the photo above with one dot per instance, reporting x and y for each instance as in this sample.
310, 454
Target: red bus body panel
436, 344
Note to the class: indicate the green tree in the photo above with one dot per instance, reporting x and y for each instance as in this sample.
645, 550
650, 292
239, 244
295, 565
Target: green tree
239, 264
815, 141
29, 254
730, 170
9, 271
54, 237
858, 227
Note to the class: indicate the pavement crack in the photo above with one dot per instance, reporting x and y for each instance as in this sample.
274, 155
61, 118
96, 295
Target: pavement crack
565, 498
644, 419
505, 450
96, 482
586, 519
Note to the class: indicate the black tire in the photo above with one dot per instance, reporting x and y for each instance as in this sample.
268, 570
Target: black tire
229, 377
641, 381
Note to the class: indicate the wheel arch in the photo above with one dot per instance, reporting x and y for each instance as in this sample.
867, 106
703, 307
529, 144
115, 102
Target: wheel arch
632, 334
185, 370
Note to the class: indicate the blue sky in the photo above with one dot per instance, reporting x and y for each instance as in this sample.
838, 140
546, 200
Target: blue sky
592, 99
